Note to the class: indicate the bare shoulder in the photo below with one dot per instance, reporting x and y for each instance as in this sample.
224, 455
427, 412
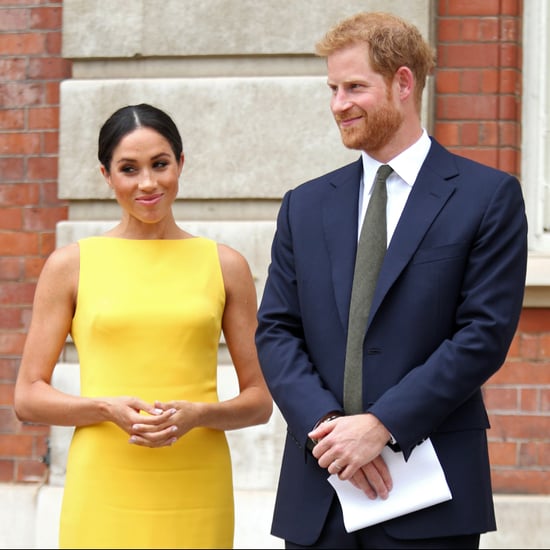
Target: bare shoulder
237, 278
232, 260
61, 269
65, 259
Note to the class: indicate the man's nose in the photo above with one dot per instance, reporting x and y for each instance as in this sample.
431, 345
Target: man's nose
340, 101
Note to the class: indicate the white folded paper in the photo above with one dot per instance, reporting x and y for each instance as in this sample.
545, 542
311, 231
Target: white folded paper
417, 483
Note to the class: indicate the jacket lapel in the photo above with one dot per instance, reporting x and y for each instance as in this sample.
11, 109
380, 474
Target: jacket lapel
429, 194
340, 213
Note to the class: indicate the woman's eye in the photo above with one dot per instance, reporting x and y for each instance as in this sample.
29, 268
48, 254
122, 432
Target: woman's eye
127, 169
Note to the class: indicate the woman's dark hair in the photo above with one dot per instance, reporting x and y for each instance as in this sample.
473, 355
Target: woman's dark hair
126, 120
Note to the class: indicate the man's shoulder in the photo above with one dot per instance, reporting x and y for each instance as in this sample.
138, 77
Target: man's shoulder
450, 165
333, 177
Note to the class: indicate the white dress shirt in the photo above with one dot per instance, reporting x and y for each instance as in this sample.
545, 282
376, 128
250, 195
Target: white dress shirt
405, 166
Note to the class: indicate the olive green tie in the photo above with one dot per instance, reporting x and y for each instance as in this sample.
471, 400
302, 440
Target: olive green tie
371, 250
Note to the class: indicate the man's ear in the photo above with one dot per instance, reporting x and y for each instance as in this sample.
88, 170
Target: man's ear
405, 80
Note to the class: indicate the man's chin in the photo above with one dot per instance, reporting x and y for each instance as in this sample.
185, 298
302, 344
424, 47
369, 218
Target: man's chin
350, 141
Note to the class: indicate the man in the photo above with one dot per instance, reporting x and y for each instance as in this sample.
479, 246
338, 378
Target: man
444, 311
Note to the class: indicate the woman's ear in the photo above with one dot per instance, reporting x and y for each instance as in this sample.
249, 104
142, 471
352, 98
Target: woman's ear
181, 162
105, 174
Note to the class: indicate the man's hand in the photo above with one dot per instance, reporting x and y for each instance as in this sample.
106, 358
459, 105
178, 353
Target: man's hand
350, 447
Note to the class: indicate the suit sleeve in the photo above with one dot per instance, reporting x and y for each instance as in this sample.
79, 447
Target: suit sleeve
297, 388
439, 393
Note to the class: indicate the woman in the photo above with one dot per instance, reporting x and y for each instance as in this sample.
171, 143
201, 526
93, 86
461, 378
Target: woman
145, 304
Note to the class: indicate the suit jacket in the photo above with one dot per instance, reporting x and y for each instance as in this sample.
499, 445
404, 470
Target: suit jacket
443, 316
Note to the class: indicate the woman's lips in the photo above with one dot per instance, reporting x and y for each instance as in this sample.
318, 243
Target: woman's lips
149, 199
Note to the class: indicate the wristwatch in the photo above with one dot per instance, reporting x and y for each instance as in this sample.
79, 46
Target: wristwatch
392, 444
310, 443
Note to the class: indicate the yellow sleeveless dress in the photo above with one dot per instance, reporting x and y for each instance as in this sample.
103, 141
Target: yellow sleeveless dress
148, 324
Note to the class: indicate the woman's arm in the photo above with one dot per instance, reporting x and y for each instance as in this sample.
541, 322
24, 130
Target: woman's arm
36, 400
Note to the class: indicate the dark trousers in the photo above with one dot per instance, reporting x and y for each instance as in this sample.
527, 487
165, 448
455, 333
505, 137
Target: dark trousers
334, 535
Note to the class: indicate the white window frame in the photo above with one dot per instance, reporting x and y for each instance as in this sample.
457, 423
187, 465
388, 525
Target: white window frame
535, 147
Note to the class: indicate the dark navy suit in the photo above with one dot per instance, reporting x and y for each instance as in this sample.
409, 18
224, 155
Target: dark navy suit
443, 316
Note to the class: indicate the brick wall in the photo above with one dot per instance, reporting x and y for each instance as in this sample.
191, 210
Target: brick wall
478, 84
477, 114
31, 69
518, 400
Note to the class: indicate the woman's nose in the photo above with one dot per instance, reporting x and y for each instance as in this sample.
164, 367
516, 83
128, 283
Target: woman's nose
147, 180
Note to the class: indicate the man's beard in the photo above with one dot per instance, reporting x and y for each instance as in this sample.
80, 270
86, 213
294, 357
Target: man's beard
375, 131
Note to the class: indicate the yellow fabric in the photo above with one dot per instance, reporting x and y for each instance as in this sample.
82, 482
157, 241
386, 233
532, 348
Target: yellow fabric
148, 324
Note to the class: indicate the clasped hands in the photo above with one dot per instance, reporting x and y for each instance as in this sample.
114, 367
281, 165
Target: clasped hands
152, 425
350, 447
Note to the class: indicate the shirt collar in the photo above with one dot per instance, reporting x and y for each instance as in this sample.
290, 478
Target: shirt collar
406, 164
